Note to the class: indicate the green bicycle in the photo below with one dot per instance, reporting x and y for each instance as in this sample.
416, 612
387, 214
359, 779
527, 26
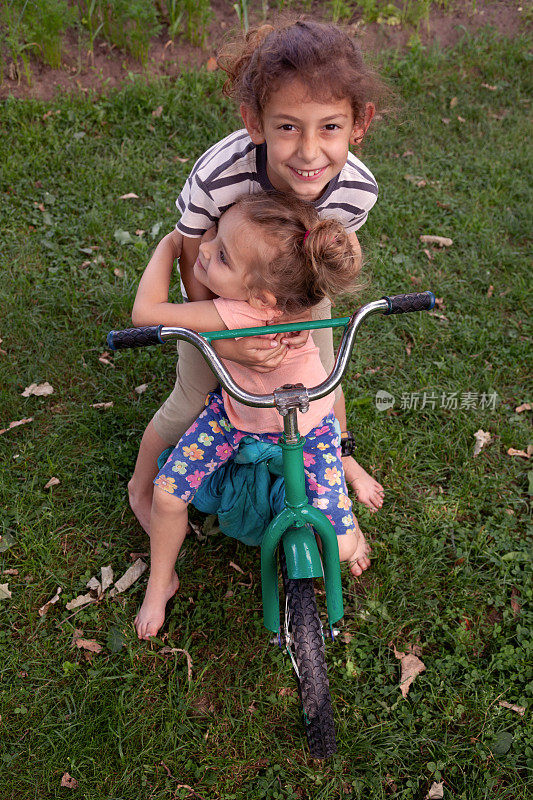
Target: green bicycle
299, 524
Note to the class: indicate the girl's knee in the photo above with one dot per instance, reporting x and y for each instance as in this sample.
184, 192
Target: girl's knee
167, 503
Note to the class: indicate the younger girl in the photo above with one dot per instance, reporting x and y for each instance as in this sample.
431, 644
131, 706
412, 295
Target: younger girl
270, 256
305, 95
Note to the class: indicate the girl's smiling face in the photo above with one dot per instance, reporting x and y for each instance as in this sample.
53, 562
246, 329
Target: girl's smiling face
227, 255
307, 141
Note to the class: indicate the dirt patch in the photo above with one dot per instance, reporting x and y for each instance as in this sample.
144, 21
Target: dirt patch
108, 68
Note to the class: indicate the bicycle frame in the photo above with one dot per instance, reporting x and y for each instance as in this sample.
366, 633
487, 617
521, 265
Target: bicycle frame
293, 525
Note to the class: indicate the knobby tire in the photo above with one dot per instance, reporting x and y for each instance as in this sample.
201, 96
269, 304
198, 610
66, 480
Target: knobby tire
309, 654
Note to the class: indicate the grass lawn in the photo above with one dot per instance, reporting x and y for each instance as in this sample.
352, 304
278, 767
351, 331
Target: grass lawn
450, 569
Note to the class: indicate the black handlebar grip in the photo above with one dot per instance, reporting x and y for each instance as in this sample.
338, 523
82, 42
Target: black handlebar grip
134, 337
416, 301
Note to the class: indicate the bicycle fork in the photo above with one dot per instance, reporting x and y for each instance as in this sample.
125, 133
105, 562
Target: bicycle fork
293, 525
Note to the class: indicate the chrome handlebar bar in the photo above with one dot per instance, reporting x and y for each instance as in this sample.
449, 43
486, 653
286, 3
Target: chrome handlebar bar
136, 337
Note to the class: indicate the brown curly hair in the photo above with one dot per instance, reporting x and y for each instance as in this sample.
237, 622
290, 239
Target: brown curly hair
306, 258
321, 55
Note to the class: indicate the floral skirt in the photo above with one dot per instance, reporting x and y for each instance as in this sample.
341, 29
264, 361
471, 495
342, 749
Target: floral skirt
212, 440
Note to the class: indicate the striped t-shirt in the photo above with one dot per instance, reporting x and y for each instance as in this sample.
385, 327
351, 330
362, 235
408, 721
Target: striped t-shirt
236, 166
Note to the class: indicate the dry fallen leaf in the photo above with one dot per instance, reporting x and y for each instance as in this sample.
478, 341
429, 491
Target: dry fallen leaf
142, 388
490, 290
80, 600
52, 482
411, 667
416, 179
129, 196
14, 572
157, 111
69, 782
107, 577
453, 102
5, 594
182, 160
436, 791
520, 453
118, 272
523, 407
104, 358
88, 644
102, 405
489, 87
94, 585
236, 566
211, 64
515, 605
43, 609
482, 438
519, 709
38, 389
441, 241
130, 576
446, 120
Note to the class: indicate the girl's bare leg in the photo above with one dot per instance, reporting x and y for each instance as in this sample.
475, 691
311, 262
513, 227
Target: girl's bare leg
366, 488
168, 526
140, 487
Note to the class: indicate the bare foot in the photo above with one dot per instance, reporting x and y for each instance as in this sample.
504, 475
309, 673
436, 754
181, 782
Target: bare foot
368, 491
354, 550
152, 612
141, 506
359, 560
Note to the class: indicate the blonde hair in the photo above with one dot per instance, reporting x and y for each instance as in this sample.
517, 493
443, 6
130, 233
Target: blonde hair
306, 258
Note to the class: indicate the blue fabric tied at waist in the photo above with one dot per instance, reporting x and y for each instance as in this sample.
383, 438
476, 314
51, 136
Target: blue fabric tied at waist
246, 492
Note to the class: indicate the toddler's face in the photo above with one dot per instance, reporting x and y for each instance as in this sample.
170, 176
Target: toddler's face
227, 255
307, 141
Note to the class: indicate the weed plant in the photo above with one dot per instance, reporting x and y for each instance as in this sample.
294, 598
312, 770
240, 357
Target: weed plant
241, 9
451, 559
198, 15
38, 27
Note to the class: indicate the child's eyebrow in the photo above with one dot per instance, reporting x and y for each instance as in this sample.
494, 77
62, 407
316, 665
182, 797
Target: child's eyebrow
322, 121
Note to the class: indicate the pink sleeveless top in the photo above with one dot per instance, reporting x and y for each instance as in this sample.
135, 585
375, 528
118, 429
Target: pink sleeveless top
301, 365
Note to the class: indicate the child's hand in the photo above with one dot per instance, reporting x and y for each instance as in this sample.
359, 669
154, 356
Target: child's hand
294, 339
260, 353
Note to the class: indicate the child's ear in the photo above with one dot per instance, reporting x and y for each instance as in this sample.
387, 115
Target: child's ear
361, 127
263, 300
252, 124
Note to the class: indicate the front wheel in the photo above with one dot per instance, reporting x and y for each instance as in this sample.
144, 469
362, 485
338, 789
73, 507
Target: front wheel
305, 644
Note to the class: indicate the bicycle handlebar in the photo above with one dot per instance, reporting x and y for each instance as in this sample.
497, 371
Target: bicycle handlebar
416, 301
157, 334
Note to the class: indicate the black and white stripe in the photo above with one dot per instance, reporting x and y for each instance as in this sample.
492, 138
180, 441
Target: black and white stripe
235, 167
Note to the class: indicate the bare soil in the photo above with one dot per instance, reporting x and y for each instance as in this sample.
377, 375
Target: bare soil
108, 67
